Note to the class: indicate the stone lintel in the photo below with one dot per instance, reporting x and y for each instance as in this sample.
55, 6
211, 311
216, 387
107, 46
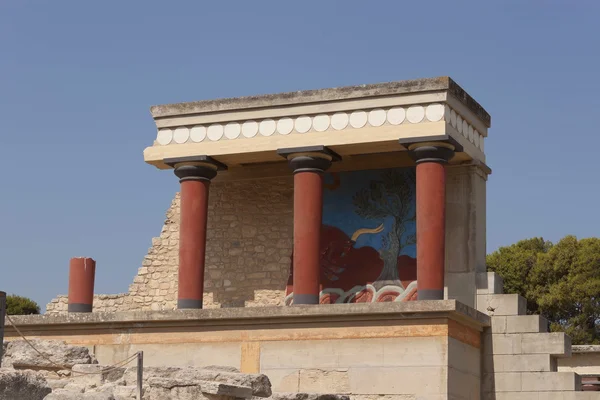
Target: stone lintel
351, 121
417, 310
444, 83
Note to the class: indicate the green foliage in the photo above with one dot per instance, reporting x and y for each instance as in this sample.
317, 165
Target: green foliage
560, 281
18, 305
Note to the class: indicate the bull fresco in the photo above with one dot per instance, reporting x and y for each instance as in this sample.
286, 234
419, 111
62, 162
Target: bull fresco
368, 237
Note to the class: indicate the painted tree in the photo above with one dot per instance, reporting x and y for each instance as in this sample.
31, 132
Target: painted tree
560, 281
390, 196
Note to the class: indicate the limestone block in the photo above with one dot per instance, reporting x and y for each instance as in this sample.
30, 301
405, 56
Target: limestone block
23, 385
324, 381
526, 324
463, 357
62, 394
319, 396
550, 381
502, 344
519, 363
461, 287
489, 283
558, 395
501, 304
283, 379
463, 385
20, 354
388, 352
399, 380
557, 344
502, 382
498, 324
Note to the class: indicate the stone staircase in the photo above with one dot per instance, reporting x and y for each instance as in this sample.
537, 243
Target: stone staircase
519, 354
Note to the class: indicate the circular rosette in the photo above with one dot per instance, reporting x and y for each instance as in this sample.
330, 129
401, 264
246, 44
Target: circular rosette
388, 293
361, 294
331, 296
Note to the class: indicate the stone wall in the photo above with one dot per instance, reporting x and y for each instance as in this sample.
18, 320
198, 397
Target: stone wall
249, 243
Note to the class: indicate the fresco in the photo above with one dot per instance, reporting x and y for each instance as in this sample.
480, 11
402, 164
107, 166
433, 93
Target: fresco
368, 237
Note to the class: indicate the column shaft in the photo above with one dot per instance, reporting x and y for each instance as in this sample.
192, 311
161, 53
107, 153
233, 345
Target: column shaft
308, 210
431, 232
82, 273
192, 242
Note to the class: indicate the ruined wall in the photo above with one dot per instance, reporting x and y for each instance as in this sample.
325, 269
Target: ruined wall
249, 243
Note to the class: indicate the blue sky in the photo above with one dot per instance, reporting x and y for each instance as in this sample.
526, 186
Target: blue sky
78, 78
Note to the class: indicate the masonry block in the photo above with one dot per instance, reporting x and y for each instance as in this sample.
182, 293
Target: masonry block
519, 363
501, 382
501, 304
526, 324
550, 381
557, 344
489, 283
498, 324
502, 344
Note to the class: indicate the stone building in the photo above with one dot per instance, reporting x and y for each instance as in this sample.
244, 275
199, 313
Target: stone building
369, 200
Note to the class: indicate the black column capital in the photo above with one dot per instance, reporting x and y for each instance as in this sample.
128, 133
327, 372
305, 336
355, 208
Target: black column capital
310, 158
198, 168
437, 152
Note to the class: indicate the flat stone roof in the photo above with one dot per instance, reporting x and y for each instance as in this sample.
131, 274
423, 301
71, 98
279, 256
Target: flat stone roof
413, 309
324, 95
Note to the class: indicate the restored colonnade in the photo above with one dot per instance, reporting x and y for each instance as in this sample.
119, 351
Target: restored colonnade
308, 165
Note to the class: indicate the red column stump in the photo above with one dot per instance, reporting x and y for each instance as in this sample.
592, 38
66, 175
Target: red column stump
82, 273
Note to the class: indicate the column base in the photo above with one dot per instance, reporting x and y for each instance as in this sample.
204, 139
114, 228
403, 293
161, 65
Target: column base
189, 304
430, 294
79, 307
305, 299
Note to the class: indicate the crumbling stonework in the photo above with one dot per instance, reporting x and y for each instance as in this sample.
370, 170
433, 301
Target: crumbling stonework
33, 377
249, 243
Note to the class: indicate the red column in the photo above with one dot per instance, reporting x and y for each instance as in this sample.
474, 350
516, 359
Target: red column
308, 164
308, 211
431, 159
192, 242
431, 230
82, 272
195, 180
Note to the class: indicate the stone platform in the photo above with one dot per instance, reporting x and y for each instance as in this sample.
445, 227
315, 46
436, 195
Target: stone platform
427, 349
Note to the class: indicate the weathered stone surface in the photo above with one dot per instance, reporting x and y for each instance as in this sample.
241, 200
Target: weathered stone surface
125, 392
20, 355
224, 389
95, 374
171, 389
22, 385
259, 384
62, 394
308, 396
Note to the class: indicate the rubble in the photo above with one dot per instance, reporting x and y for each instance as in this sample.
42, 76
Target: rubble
22, 385
20, 355
33, 377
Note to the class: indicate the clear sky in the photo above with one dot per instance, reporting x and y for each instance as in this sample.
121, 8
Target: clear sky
77, 79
